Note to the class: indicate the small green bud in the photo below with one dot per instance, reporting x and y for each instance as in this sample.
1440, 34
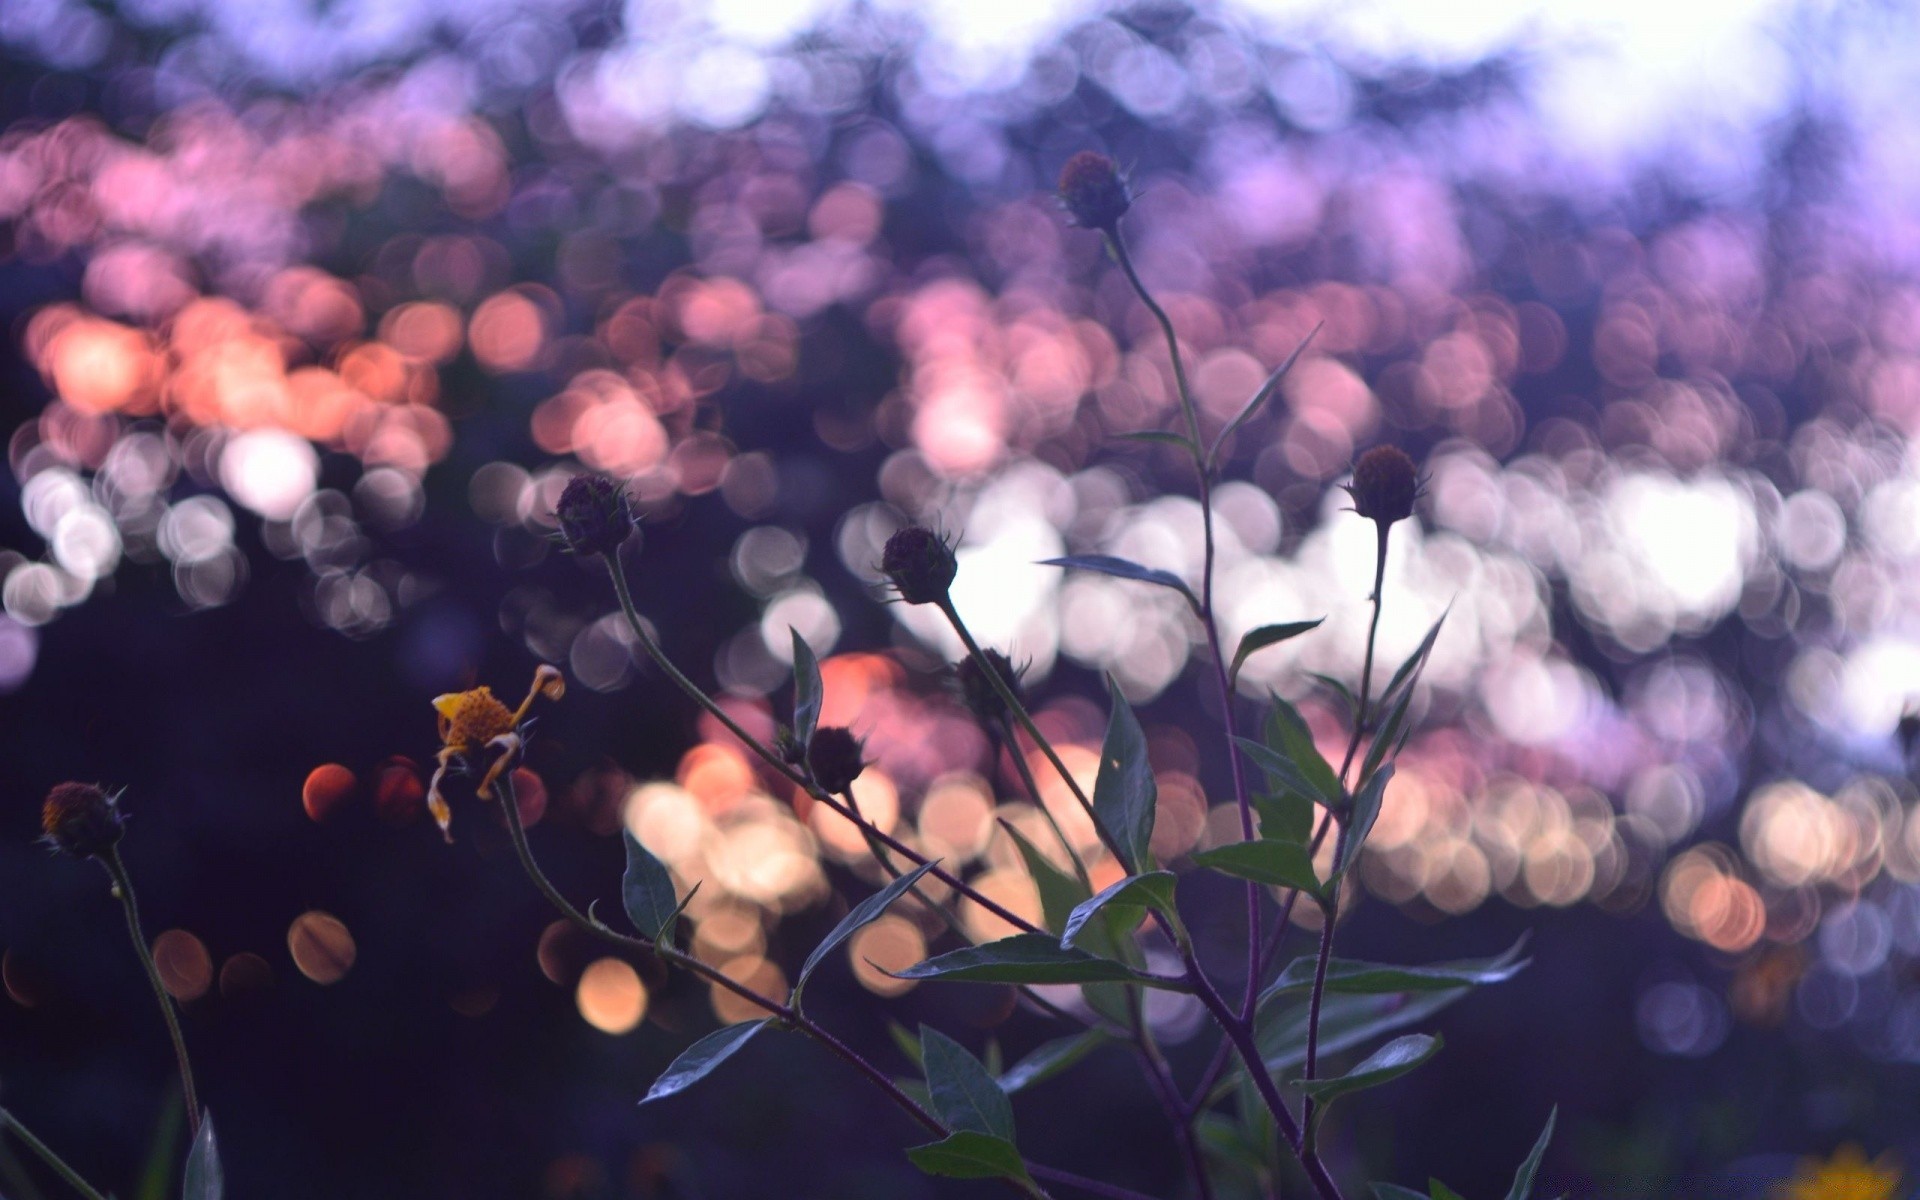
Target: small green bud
920, 565
594, 515
82, 820
835, 757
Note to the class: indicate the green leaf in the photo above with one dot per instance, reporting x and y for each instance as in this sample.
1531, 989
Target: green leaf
1523, 1178
862, 914
1124, 792
1387, 735
204, 1179
1389, 1062
1163, 437
1354, 977
1287, 732
1130, 895
1366, 810
1285, 816
1261, 638
1339, 689
1107, 564
1031, 958
965, 1094
1278, 864
971, 1155
1410, 669
1393, 1191
1442, 1192
1060, 893
647, 891
906, 1040
1259, 398
697, 1061
1049, 1059
1346, 1021
807, 690
1279, 767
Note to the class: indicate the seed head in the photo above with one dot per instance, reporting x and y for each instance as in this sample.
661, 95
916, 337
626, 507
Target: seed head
594, 515
835, 757
82, 820
977, 691
920, 565
1091, 188
1384, 485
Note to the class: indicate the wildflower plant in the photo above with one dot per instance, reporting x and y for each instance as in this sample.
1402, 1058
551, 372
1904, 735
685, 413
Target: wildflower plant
1263, 1097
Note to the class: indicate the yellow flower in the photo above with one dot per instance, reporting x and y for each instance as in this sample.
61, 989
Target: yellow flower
1846, 1176
473, 722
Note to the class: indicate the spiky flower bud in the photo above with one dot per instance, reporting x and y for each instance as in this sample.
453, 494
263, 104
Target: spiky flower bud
82, 820
920, 565
594, 515
835, 758
1385, 484
1091, 188
977, 691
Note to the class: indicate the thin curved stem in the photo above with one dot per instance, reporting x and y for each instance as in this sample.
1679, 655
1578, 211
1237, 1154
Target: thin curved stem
785, 769
1093, 1187
786, 1013
1160, 1076
1208, 621
1021, 768
123, 888
46, 1155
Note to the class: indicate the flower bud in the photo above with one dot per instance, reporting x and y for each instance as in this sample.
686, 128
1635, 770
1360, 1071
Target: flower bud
1384, 485
834, 757
82, 820
1091, 188
594, 515
977, 691
920, 565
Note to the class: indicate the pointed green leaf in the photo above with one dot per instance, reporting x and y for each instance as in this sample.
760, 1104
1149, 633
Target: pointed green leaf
1285, 816
1259, 398
1366, 810
1030, 958
1279, 768
1124, 902
647, 891
1124, 792
1060, 893
1259, 639
1107, 564
1410, 669
1523, 1179
1352, 976
971, 1155
1389, 1062
1163, 437
906, 1040
860, 915
1339, 689
1387, 736
1288, 733
965, 1094
204, 1179
1393, 1191
1442, 1192
1346, 1021
1277, 864
697, 1061
1049, 1059
807, 690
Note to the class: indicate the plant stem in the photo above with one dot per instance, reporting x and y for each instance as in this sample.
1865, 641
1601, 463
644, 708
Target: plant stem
46, 1155
1204, 483
1005, 729
123, 888
1161, 1077
1331, 908
1092, 1187
785, 769
786, 1013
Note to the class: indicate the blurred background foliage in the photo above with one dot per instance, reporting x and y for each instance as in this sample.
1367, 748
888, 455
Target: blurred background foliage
312, 310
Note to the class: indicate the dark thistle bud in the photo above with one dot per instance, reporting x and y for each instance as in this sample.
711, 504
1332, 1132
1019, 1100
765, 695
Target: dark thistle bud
1091, 188
82, 820
594, 515
1384, 485
977, 691
920, 565
834, 757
